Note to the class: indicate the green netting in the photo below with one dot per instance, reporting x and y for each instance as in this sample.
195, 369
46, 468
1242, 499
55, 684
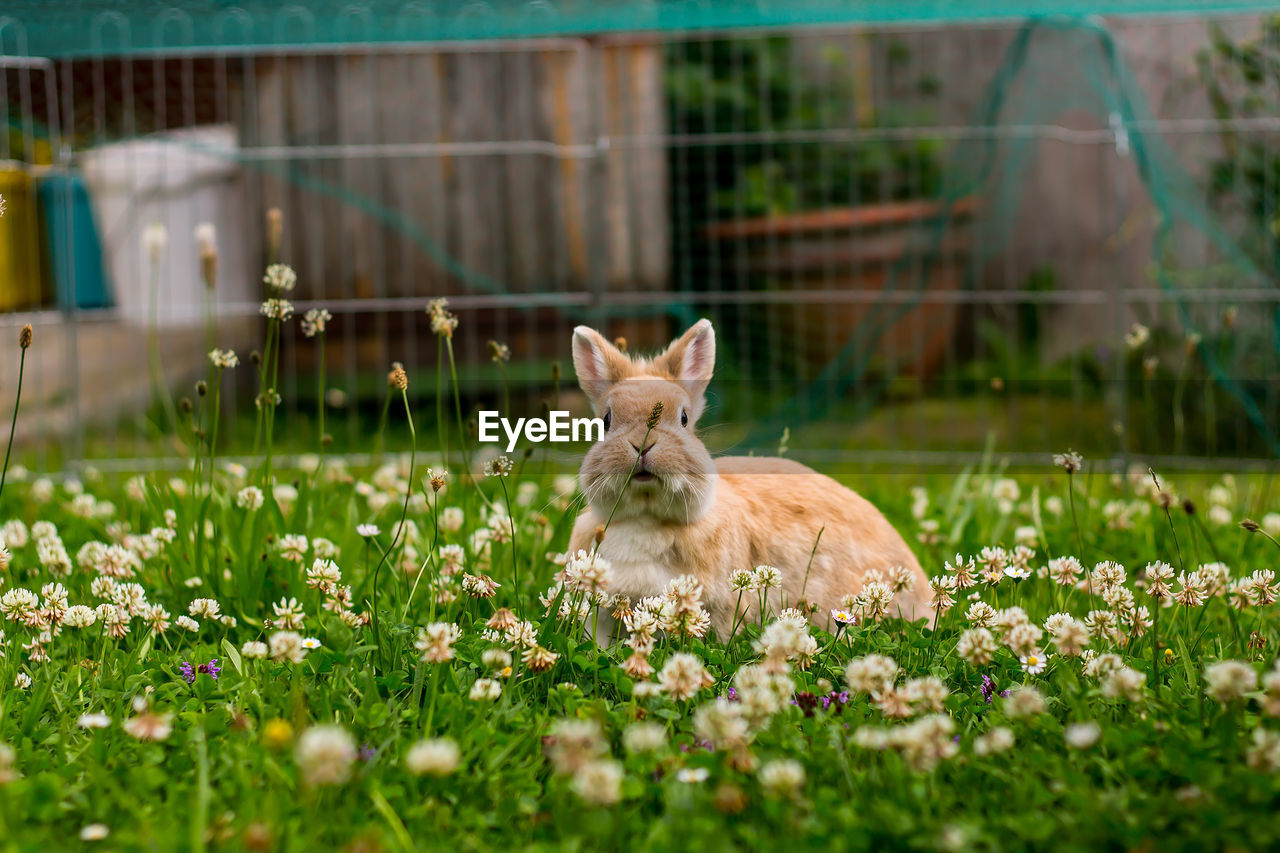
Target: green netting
1061, 60
60, 28
1054, 67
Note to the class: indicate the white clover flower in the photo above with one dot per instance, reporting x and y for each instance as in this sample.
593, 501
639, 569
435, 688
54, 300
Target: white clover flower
223, 358
1024, 702
721, 723
683, 675
1264, 753
434, 757
1082, 735
976, 646
999, 739
436, 640
870, 674
289, 614
599, 782
205, 607
451, 519
254, 650
280, 277
286, 646
1124, 682
485, 690
781, 778
93, 721
146, 724
315, 321
250, 498
644, 737
277, 309
94, 832
766, 577
325, 754
293, 547
1227, 681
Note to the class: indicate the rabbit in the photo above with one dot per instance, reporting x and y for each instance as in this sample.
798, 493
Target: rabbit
681, 512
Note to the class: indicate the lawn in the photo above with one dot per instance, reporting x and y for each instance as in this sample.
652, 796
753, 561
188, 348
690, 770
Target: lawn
302, 655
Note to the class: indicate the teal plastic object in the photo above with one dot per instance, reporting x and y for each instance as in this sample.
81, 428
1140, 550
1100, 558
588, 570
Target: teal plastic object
87, 28
71, 240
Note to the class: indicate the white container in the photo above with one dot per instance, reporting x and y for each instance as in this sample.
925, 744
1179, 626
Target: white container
179, 179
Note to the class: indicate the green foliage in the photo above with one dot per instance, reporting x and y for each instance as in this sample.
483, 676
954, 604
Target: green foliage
760, 87
1169, 769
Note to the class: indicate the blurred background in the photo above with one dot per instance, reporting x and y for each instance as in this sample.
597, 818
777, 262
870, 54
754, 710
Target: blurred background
923, 228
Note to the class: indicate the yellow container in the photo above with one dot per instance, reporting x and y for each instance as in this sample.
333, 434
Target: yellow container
21, 278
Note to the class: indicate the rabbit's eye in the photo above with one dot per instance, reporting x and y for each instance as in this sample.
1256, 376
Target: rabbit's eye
684, 418
607, 419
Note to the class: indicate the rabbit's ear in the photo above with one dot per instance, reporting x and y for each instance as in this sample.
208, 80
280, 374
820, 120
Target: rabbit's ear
598, 363
690, 360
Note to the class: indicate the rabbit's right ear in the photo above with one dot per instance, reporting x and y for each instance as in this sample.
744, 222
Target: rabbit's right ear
598, 363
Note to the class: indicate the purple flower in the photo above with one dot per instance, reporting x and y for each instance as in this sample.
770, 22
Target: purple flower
731, 694
988, 688
367, 752
210, 669
835, 699
807, 702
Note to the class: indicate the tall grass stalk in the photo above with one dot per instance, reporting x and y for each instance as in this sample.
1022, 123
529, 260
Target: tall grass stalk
442, 425
24, 343
654, 416
159, 388
402, 386
457, 405
320, 383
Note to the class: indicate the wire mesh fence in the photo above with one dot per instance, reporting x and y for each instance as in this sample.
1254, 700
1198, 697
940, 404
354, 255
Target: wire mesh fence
914, 237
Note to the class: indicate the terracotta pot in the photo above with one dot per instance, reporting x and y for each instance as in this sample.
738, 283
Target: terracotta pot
874, 269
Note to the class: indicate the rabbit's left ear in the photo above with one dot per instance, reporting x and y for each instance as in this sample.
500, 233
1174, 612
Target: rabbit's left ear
690, 361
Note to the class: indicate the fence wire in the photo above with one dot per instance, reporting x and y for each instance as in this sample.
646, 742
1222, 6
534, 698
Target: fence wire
910, 237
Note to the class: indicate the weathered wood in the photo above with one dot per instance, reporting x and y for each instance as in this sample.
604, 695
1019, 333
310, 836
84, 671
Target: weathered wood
421, 223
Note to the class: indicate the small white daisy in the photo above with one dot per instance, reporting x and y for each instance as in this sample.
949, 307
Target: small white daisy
1033, 662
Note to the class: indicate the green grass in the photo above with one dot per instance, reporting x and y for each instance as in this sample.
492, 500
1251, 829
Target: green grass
1171, 767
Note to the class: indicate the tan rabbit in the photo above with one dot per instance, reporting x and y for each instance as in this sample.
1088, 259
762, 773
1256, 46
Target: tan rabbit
683, 513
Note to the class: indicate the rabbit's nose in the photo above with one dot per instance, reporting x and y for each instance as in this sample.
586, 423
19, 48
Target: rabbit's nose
637, 447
